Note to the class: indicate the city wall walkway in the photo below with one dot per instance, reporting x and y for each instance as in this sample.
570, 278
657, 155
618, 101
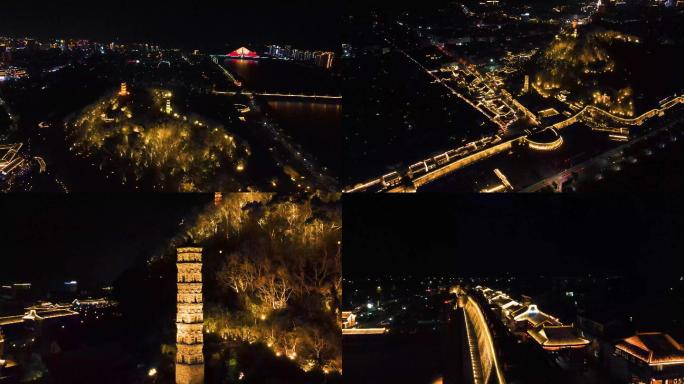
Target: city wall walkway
482, 355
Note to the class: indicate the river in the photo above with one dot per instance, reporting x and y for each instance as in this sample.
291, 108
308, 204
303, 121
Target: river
316, 125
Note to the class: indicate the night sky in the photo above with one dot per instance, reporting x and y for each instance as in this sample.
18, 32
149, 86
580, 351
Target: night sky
49, 239
522, 234
187, 24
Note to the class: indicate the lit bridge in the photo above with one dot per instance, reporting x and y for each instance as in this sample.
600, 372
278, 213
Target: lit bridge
481, 353
364, 331
226, 72
276, 94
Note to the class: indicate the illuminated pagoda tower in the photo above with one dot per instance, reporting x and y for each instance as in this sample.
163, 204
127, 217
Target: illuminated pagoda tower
168, 107
124, 90
189, 318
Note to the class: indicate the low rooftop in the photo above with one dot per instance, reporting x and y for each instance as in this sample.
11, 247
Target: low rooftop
653, 348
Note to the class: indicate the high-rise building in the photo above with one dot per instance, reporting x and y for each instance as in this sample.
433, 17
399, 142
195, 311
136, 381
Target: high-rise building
71, 286
324, 59
329, 60
5, 55
168, 106
189, 317
347, 51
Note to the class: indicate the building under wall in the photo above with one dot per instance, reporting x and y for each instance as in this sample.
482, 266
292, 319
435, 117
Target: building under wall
528, 323
648, 357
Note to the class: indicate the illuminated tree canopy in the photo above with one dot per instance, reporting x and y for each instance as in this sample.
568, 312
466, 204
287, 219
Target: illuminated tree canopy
584, 69
141, 138
273, 272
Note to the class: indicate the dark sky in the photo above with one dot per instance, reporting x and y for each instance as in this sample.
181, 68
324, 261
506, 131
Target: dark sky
522, 234
48, 239
191, 24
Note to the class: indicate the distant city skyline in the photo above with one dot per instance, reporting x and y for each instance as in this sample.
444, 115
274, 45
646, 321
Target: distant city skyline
310, 24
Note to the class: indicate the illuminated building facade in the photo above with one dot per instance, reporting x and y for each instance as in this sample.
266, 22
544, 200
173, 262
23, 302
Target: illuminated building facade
557, 337
42, 323
3, 362
528, 321
5, 55
348, 319
529, 317
71, 286
320, 58
16, 291
547, 139
324, 59
189, 317
347, 51
649, 357
12, 73
2, 344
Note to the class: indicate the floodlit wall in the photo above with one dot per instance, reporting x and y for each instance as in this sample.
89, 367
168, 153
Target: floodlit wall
487, 368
